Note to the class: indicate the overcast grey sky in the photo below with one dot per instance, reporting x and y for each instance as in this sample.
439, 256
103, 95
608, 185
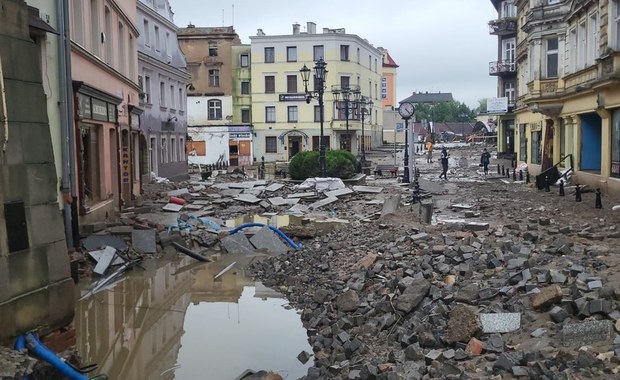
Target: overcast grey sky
440, 45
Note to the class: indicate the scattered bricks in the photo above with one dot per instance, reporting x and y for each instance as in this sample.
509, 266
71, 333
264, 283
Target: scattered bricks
495, 343
303, 357
557, 277
432, 355
474, 347
507, 360
538, 332
595, 284
558, 314
584, 333
519, 371
547, 296
600, 306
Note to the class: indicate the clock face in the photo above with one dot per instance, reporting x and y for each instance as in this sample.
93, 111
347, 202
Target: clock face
406, 109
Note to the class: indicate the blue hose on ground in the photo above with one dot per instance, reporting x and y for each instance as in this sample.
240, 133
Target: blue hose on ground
282, 234
43, 353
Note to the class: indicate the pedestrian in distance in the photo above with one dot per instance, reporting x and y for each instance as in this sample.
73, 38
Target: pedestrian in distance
444, 163
429, 151
485, 159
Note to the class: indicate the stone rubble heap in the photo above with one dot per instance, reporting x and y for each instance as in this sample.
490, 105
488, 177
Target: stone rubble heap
393, 300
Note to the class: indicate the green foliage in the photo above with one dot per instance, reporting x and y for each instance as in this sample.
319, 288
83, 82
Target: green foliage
340, 164
304, 165
444, 112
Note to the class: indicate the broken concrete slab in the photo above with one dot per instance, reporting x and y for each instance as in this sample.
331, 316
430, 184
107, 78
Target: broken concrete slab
588, 332
144, 241
178, 192
339, 192
298, 209
120, 230
476, 226
266, 239
193, 207
500, 322
96, 255
274, 187
323, 202
231, 192
95, 242
247, 198
390, 205
376, 202
279, 201
172, 207
105, 260
238, 243
462, 206
302, 195
368, 189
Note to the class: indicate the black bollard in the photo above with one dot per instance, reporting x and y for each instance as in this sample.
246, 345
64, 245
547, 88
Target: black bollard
561, 188
508, 173
598, 203
498, 171
547, 189
527, 176
514, 174
578, 193
503, 171
520, 175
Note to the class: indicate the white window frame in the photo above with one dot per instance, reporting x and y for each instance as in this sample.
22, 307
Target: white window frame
173, 150
509, 92
614, 23
214, 109
582, 40
592, 43
157, 38
162, 93
549, 53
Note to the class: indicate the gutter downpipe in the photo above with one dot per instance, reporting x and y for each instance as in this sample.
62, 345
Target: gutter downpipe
66, 120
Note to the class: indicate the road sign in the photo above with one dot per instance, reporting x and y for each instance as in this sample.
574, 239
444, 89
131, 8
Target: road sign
400, 127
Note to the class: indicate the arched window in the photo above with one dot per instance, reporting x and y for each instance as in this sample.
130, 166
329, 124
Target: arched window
215, 109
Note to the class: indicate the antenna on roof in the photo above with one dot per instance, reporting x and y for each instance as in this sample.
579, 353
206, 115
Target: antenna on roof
233, 15
222, 17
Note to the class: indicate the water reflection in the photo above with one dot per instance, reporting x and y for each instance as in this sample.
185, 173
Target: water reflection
174, 321
277, 221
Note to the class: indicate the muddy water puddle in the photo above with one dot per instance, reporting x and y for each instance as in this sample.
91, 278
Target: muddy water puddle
174, 320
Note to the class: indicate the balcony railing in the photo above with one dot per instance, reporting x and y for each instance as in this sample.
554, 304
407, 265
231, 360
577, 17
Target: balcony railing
503, 26
502, 67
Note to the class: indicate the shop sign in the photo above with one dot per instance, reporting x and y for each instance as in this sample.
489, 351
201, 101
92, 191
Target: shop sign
100, 110
125, 165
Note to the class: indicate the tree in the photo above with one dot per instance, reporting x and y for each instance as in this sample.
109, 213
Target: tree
482, 106
445, 112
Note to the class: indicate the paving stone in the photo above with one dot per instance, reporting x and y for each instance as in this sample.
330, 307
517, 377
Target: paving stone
500, 322
247, 198
274, 187
238, 243
390, 205
547, 296
558, 314
323, 202
368, 189
339, 192
172, 207
268, 240
178, 192
588, 332
144, 241
95, 242
310, 194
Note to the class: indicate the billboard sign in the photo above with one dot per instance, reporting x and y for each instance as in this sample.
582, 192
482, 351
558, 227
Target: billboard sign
497, 105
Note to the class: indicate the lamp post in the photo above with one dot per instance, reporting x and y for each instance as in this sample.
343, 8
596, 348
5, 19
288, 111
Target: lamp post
365, 109
347, 95
320, 73
406, 111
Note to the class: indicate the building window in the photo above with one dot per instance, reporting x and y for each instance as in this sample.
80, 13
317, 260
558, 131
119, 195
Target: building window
508, 9
157, 38
572, 46
167, 44
270, 56
291, 54
270, 84
109, 49
551, 64
317, 52
212, 49
345, 82
147, 89
316, 140
292, 114
121, 48
94, 26
317, 113
270, 114
615, 25
592, 38
215, 109
615, 144
78, 22
244, 60
173, 150
147, 32
358, 55
172, 105
344, 52
536, 147
214, 78
164, 149
181, 107
291, 84
245, 88
132, 58
581, 45
509, 92
162, 94
271, 144
245, 115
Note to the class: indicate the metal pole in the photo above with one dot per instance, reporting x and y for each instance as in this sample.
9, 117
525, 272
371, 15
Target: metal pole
346, 122
363, 149
406, 159
322, 165
394, 145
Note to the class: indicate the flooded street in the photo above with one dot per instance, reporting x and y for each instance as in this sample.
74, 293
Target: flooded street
175, 320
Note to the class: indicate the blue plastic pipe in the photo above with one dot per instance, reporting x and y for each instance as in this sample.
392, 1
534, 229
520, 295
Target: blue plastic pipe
44, 353
282, 234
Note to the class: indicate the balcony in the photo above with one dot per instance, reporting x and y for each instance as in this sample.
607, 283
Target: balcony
503, 26
501, 68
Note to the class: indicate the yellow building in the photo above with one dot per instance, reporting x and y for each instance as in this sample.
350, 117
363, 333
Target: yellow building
284, 124
568, 105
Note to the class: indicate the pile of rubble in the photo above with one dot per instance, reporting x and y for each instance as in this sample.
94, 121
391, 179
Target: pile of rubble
395, 299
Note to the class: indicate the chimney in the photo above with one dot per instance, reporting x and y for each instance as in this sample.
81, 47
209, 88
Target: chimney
190, 25
311, 27
295, 28
259, 32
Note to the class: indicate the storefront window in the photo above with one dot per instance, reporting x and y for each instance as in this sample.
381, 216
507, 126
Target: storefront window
615, 144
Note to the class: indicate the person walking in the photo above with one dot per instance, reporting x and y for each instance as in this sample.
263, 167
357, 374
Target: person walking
485, 159
429, 151
444, 163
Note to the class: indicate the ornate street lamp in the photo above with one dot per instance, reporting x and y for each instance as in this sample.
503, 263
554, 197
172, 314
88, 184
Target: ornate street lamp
365, 109
346, 97
320, 74
406, 111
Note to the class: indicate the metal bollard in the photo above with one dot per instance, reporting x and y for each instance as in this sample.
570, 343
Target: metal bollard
514, 174
508, 173
598, 203
498, 171
561, 188
578, 193
503, 171
547, 189
520, 175
527, 176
